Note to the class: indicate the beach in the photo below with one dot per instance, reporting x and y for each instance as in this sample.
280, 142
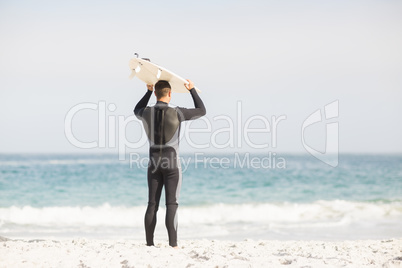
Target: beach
252, 133
88, 211
81, 252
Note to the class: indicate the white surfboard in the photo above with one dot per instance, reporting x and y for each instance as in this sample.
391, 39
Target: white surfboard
151, 73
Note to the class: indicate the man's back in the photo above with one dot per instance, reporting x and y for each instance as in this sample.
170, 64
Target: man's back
162, 126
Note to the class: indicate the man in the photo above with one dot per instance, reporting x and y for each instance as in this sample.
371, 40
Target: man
162, 126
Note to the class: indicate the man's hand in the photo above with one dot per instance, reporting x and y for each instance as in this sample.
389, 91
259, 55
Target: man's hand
190, 84
150, 87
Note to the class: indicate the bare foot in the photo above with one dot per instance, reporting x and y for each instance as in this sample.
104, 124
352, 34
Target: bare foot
176, 247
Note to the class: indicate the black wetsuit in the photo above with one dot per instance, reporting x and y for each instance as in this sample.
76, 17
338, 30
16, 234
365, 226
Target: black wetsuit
162, 126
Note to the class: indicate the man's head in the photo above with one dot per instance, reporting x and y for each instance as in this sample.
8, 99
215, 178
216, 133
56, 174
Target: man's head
163, 91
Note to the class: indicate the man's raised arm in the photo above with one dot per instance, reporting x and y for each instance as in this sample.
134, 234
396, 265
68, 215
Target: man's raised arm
139, 108
199, 109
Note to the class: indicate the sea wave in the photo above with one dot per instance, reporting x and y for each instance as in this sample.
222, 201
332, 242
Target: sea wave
319, 214
59, 162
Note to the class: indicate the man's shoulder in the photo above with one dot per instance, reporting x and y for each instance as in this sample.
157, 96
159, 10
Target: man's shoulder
150, 109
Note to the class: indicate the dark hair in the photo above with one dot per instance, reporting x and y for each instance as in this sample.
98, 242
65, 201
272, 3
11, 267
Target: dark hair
162, 88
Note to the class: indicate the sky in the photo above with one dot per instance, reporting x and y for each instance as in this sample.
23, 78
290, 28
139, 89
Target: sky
255, 62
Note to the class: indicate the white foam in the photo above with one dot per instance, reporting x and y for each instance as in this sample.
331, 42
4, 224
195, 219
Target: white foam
104, 215
319, 213
338, 211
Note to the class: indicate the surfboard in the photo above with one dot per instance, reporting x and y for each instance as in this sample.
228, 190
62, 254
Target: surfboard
150, 73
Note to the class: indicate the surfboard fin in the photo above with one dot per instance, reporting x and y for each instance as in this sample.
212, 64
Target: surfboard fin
135, 68
132, 75
135, 71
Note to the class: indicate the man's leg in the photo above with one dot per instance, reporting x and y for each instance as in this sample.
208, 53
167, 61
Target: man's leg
172, 179
155, 184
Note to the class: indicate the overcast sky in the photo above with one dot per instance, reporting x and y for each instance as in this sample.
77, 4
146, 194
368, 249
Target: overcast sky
267, 58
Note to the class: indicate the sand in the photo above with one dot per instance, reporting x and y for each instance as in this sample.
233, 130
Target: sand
83, 252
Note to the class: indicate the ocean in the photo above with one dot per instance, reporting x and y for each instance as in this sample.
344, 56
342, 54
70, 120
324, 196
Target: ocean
223, 197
